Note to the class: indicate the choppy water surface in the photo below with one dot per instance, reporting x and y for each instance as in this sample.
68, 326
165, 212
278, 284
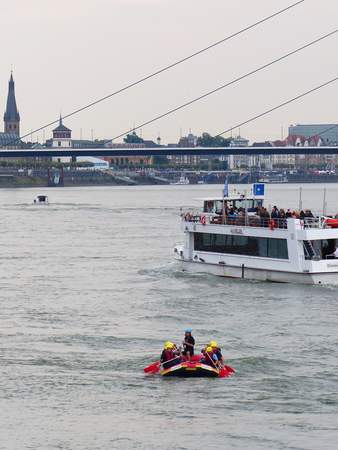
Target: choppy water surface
89, 292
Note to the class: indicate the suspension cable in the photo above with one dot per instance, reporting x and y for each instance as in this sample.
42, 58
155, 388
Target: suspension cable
163, 69
236, 80
298, 97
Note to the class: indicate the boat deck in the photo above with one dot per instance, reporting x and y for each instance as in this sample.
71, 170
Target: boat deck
252, 220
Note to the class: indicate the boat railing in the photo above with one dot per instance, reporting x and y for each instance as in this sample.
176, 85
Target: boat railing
251, 220
312, 222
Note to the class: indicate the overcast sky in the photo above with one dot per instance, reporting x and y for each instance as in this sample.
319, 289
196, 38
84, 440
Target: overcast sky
67, 53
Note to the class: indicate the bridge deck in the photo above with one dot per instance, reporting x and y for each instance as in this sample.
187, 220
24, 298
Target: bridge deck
170, 151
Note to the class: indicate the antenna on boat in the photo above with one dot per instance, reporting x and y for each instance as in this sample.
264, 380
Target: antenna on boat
300, 204
225, 193
324, 202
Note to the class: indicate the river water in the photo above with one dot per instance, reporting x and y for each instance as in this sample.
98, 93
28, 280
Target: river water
89, 292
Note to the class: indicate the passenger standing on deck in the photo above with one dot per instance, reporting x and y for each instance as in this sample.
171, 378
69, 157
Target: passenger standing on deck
188, 344
275, 213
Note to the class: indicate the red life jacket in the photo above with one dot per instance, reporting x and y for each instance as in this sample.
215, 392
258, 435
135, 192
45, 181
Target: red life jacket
168, 355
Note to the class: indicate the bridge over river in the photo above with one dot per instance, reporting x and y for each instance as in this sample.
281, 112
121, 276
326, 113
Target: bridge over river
169, 151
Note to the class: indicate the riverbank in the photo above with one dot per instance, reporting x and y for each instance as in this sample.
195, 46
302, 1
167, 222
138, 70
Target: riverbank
78, 179
42, 177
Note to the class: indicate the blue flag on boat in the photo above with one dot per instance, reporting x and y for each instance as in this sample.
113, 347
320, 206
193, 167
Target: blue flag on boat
226, 189
259, 189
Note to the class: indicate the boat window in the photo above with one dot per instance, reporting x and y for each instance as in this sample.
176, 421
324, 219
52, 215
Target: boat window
209, 206
321, 249
250, 205
218, 207
241, 245
213, 206
245, 203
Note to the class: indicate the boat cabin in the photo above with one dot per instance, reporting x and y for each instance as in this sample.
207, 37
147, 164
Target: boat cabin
41, 199
218, 205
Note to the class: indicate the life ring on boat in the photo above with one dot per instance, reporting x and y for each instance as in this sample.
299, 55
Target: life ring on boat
332, 223
203, 220
272, 224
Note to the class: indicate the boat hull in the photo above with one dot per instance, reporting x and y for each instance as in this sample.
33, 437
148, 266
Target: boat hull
321, 278
190, 370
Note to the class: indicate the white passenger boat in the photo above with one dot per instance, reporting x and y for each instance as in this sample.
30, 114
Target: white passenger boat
41, 200
252, 246
182, 181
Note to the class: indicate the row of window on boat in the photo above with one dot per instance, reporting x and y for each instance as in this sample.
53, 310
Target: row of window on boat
173, 354
262, 247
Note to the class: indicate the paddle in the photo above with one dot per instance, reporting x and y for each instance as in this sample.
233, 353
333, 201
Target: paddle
215, 363
229, 369
153, 368
225, 371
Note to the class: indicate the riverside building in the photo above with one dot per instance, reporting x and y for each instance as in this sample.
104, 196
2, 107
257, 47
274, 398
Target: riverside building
304, 135
62, 139
327, 132
9, 138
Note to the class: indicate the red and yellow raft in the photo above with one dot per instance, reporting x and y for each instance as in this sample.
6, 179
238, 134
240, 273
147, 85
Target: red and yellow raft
190, 369
196, 368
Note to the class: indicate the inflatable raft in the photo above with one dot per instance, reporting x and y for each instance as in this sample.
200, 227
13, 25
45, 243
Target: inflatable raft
190, 369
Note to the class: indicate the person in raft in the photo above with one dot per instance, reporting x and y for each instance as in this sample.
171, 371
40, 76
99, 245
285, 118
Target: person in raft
217, 352
188, 344
210, 358
170, 355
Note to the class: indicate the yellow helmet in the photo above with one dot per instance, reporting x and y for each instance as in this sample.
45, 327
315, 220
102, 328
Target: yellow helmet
168, 345
213, 344
209, 349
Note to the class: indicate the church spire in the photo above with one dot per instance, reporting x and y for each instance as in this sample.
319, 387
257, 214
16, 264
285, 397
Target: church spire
11, 116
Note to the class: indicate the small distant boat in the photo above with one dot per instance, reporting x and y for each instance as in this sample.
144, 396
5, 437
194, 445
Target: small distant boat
182, 181
278, 178
41, 200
